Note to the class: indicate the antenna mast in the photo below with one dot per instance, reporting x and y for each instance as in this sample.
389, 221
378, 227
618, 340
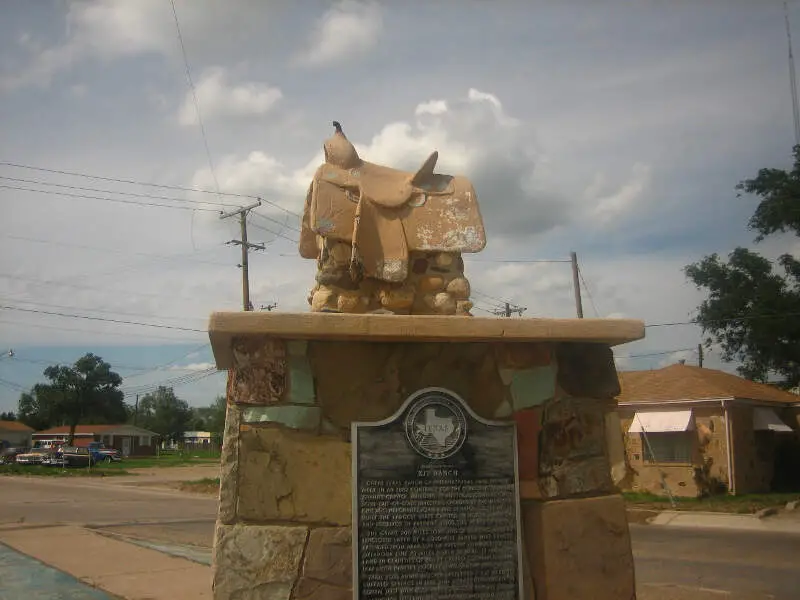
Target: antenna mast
792, 77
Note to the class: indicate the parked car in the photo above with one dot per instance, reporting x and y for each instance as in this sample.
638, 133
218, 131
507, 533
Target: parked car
73, 456
105, 454
34, 457
8, 455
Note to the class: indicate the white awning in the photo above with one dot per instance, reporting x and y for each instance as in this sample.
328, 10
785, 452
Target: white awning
661, 421
766, 419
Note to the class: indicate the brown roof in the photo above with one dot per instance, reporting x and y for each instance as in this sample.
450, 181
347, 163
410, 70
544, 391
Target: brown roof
85, 429
684, 382
14, 426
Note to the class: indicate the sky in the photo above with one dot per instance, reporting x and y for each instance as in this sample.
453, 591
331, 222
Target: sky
618, 133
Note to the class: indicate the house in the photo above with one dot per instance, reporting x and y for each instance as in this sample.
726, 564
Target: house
702, 431
15, 434
128, 439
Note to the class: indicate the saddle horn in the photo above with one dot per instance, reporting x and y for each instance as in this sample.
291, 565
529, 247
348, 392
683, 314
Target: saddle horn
425, 172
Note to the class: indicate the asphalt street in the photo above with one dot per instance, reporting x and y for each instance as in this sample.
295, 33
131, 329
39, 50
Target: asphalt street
671, 562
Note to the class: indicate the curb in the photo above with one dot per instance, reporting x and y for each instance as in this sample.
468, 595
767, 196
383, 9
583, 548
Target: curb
762, 521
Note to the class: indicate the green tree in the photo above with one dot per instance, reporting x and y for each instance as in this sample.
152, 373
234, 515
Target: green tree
8, 416
753, 306
166, 414
86, 391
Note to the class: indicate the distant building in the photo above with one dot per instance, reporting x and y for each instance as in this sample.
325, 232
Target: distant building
14, 433
193, 440
128, 439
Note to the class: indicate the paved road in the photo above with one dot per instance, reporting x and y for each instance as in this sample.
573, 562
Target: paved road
751, 564
671, 562
80, 501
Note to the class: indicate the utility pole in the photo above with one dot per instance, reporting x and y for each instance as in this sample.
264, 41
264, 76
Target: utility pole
576, 284
136, 410
508, 309
700, 355
246, 246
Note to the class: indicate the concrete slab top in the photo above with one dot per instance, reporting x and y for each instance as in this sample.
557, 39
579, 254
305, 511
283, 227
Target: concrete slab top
224, 326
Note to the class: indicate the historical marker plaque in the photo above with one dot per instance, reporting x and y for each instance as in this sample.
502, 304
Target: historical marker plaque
435, 504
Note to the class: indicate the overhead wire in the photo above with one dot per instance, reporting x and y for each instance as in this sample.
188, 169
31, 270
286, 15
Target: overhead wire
588, 292
92, 331
105, 199
119, 192
107, 320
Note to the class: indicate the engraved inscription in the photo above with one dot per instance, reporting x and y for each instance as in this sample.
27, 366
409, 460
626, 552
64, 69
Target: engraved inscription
430, 527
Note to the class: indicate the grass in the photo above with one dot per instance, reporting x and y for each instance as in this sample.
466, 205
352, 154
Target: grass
43, 471
207, 485
743, 504
176, 459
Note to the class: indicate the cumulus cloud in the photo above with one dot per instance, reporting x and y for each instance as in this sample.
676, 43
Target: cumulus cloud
106, 30
218, 97
609, 205
348, 29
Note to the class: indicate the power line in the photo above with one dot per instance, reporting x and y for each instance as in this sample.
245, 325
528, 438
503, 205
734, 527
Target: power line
88, 287
129, 181
275, 233
179, 188
588, 292
726, 320
89, 318
92, 331
194, 96
104, 198
100, 310
177, 257
514, 260
661, 353
107, 191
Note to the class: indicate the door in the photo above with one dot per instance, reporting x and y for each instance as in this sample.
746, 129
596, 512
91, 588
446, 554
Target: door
126, 446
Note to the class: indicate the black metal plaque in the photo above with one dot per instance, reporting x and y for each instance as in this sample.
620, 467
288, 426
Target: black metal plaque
436, 504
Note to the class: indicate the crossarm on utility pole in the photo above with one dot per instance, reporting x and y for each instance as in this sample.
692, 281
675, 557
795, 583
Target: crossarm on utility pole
246, 247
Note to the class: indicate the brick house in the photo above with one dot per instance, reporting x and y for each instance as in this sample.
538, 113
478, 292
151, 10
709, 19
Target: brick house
703, 430
15, 433
128, 439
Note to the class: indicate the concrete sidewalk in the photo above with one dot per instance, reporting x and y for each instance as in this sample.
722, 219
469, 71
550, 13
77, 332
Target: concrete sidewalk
712, 520
24, 577
125, 570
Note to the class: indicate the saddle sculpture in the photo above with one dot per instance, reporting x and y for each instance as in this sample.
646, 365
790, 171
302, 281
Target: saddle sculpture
387, 240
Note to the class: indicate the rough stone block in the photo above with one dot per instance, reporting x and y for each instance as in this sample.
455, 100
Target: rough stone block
329, 556
579, 548
252, 562
523, 355
572, 454
376, 377
309, 589
529, 424
532, 386
587, 370
294, 417
229, 466
289, 475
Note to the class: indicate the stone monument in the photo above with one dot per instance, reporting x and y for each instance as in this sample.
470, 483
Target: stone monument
378, 447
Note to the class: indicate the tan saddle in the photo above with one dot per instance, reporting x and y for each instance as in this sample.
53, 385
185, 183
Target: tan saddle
384, 213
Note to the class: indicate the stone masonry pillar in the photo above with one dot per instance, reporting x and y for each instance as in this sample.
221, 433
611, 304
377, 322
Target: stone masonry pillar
297, 382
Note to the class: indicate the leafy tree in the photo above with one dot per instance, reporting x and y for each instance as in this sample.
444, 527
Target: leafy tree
753, 305
86, 391
165, 413
8, 416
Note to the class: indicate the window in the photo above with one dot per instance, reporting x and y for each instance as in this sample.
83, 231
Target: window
668, 447
144, 440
